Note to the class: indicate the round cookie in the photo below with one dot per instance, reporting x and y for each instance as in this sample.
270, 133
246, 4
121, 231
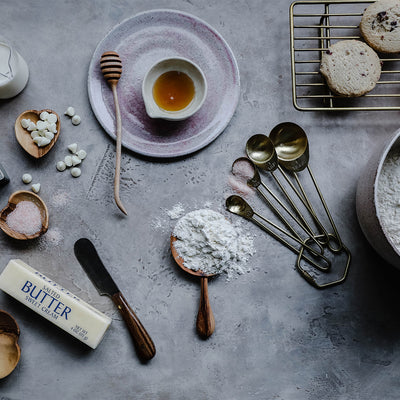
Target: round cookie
380, 26
351, 68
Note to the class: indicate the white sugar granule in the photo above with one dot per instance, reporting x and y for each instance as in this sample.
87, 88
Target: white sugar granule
207, 241
52, 238
388, 196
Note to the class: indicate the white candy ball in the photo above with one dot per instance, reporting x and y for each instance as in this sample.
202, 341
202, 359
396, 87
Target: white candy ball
52, 127
52, 118
61, 166
27, 178
25, 123
36, 187
76, 172
68, 161
44, 115
73, 147
76, 120
70, 111
49, 135
75, 160
31, 126
81, 154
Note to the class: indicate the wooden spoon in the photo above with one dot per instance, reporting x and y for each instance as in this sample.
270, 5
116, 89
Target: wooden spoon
10, 352
111, 67
205, 318
15, 198
24, 137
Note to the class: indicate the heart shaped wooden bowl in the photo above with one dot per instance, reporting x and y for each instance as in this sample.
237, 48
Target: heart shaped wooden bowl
24, 137
15, 198
10, 352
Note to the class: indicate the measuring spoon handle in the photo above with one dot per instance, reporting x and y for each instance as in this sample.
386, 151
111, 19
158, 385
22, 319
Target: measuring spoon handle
205, 318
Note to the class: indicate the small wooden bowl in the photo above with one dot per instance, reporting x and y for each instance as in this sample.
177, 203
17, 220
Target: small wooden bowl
24, 137
10, 352
15, 198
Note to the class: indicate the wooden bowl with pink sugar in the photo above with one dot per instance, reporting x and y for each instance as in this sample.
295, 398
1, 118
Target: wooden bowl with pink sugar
25, 216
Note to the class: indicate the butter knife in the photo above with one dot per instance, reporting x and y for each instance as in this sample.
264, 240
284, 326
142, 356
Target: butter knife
87, 256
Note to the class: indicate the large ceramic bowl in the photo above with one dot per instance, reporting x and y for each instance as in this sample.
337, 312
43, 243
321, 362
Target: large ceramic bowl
367, 203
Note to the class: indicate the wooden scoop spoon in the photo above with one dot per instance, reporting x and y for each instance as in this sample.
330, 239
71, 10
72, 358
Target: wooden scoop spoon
24, 137
10, 351
15, 198
111, 67
205, 318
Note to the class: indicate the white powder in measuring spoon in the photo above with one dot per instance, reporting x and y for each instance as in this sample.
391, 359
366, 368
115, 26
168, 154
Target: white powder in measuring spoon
388, 196
207, 241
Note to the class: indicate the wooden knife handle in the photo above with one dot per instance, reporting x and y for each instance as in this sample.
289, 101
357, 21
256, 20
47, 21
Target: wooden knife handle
143, 343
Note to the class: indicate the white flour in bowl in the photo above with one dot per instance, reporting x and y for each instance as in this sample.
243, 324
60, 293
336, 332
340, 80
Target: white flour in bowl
207, 241
388, 196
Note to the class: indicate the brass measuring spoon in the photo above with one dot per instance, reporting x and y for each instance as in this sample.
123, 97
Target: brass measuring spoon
255, 181
292, 149
205, 323
261, 151
237, 205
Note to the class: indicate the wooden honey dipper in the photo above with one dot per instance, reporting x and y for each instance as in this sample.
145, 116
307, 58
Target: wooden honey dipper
111, 67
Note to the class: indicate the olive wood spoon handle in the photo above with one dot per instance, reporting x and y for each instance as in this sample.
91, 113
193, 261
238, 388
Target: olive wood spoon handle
111, 67
205, 318
143, 343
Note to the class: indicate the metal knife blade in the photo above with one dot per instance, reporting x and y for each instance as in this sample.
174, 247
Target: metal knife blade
87, 256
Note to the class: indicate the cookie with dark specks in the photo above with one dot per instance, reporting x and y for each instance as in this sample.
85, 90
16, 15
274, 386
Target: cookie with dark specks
351, 68
380, 26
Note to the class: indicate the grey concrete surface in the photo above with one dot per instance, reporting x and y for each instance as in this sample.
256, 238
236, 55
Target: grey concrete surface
276, 337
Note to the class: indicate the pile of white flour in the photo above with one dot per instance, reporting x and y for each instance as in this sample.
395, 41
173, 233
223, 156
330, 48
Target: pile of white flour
210, 243
388, 196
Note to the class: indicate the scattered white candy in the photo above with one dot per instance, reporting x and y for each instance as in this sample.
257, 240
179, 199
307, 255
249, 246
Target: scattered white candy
61, 166
31, 126
68, 161
27, 178
75, 160
42, 125
49, 135
36, 187
44, 115
70, 111
34, 134
52, 118
76, 172
25, 123
81, 154
76, 120
73, 148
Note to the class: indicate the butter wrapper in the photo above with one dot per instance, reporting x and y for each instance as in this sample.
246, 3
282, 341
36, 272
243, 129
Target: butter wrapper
53, 302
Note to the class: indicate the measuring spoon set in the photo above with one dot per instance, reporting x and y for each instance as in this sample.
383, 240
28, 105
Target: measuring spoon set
286, 151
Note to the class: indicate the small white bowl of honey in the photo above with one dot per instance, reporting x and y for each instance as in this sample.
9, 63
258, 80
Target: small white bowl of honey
174, 89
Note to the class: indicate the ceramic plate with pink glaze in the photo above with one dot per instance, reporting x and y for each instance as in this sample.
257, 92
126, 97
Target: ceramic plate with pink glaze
143, 40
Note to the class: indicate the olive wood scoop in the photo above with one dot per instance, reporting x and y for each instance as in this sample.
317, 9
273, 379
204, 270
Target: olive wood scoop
111, 67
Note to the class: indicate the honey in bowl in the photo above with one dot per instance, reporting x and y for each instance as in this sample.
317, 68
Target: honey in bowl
173, 90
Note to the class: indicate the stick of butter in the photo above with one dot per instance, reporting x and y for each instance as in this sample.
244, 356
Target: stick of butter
54, 303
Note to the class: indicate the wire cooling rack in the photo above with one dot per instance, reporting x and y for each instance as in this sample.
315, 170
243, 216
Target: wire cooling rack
314, 26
